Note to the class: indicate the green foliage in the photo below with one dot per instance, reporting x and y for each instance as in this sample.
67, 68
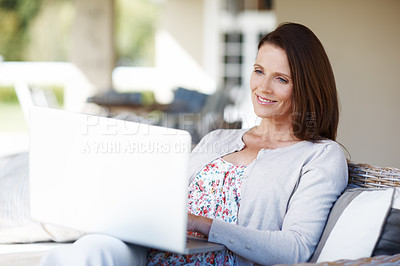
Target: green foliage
15, 18
135, 24
58, 93
8, 4
8, 95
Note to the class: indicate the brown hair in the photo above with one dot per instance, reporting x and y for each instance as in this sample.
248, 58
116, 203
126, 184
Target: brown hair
315, 100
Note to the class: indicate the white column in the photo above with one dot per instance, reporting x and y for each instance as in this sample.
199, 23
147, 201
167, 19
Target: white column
93, 42
211, 39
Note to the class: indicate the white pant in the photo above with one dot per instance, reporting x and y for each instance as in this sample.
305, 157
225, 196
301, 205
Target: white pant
96, 250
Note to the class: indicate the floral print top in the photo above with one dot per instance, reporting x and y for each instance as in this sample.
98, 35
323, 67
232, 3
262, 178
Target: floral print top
214, 193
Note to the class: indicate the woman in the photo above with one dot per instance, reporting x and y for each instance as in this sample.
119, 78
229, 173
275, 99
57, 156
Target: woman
265, 192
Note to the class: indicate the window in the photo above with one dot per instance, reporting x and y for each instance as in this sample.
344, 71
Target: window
236, 6
233, 58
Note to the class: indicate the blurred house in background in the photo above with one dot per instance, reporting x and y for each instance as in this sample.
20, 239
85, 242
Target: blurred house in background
209, 46
201, 45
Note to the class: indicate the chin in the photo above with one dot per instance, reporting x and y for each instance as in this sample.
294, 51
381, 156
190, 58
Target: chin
269, 115
264, 114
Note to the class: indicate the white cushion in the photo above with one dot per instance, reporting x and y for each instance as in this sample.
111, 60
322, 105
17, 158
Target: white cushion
354, 225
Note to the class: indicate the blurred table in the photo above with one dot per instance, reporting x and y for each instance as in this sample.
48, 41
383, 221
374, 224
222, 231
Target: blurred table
133, 102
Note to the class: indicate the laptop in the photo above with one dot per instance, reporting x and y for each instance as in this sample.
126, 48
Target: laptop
120, 178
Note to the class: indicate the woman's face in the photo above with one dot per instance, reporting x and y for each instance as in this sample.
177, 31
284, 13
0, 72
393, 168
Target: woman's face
271, 84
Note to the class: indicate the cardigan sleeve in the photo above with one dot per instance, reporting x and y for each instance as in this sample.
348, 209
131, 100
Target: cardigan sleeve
322, 179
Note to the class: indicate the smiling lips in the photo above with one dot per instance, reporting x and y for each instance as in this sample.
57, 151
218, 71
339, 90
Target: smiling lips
264, 100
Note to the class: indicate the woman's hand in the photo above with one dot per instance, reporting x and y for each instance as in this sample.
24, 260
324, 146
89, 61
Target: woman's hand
199, 224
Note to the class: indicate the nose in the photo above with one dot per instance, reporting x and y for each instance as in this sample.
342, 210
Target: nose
266, 84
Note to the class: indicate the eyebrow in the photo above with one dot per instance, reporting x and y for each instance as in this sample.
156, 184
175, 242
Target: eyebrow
279, 73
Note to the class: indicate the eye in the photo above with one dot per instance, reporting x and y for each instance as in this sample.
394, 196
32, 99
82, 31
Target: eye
282, 80
257, 71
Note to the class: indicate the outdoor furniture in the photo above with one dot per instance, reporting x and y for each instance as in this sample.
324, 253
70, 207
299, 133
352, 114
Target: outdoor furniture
371, 177
16, 168
365, 175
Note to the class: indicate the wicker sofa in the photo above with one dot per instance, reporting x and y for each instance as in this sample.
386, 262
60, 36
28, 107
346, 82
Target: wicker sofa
365, 175
370, 177
360, 175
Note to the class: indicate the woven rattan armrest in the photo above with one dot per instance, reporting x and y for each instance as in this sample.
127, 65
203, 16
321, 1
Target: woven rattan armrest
365, 175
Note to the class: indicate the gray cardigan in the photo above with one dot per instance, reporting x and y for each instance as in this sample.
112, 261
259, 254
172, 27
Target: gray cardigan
287, 194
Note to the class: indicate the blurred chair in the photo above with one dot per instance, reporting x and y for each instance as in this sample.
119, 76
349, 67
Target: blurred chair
33, 96
198, 113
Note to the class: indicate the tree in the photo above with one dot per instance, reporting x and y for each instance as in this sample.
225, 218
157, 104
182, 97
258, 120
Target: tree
135, 27
15, 18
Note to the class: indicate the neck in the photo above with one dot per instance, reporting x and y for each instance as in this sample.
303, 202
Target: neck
274, 130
